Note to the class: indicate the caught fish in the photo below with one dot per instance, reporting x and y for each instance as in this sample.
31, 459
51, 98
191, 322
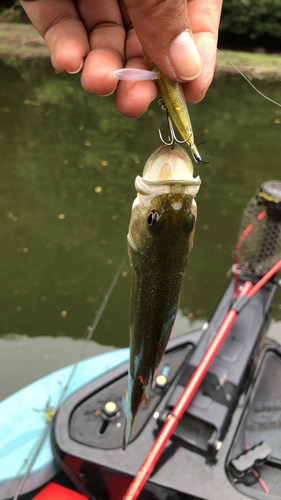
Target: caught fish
160, 240
172, 95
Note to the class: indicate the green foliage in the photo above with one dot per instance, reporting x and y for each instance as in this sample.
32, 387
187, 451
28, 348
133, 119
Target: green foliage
6, 4
11, 11
254, 18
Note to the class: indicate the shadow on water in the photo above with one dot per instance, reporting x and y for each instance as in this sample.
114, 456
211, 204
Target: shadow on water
69, 161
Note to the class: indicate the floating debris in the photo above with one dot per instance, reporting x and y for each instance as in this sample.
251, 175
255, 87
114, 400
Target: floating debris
31, 103
12, 216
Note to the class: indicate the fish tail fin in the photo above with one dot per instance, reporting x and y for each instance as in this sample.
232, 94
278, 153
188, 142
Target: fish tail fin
129, 418
132, 399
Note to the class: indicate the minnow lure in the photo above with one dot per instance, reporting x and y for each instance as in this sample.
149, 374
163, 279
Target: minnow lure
172, 95
160, 239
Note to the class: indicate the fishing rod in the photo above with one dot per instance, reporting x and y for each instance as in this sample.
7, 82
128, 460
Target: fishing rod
36, 449
246, 293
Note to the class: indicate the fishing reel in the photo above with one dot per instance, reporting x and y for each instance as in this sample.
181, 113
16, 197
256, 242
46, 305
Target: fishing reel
259, 245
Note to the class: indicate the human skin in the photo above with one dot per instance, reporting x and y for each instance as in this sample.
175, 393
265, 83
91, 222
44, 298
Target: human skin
98, 37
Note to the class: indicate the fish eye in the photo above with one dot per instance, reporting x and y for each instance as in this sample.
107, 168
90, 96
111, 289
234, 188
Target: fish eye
152, 218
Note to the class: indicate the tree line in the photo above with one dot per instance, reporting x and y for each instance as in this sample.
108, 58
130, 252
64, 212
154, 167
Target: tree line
251, 23
244, 23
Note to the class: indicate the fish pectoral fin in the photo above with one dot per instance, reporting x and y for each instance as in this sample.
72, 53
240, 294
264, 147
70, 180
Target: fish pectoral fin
135, 74
131, 402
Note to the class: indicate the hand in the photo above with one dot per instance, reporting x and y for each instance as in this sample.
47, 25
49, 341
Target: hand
98, 37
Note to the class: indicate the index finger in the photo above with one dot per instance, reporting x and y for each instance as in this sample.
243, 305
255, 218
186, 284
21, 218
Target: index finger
60, 24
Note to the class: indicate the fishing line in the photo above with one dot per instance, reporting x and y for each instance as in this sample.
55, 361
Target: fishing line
33, 454
247, 80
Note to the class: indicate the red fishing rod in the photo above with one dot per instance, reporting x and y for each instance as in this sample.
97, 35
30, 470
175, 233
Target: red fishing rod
172, 421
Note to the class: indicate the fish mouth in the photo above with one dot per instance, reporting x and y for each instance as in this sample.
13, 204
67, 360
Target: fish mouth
148, 188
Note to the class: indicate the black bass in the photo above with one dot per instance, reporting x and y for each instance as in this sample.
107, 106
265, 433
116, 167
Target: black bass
159, 243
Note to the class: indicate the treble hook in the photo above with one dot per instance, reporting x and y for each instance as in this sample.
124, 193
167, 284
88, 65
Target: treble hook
173, 139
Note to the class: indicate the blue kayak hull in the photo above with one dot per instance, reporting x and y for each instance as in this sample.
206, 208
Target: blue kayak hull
22, 421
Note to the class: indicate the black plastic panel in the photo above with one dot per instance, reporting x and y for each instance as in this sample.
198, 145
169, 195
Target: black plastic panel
264, 418
104, 473
262, 422
90, 426
220, 389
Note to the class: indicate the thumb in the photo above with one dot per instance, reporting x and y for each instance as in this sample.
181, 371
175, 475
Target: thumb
164, 32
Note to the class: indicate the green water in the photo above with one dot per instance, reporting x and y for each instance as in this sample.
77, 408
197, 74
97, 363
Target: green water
62, 242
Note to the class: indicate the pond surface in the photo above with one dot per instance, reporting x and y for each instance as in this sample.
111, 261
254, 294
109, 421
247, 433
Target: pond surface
68, 165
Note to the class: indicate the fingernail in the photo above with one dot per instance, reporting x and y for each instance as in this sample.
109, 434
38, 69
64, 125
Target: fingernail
78, 70
184, 57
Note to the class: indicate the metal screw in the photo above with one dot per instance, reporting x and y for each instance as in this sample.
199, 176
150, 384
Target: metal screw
218, 445
118, 425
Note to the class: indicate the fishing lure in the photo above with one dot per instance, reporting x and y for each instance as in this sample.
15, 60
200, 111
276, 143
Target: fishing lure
160, 240
173, 97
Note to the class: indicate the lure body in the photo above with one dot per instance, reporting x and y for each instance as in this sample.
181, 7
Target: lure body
172, 95
174, 100
160, 239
